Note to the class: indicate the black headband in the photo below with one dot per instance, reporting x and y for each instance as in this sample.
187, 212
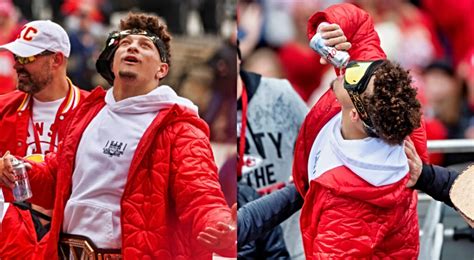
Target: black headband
112, 43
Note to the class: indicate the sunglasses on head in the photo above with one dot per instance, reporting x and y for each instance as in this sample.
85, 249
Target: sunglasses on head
116, 36
356, 79
30, 59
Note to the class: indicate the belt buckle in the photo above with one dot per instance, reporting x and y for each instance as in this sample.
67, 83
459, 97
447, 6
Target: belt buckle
77, 247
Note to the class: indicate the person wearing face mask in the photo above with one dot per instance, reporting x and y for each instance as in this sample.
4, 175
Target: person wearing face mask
32, 123
134, 177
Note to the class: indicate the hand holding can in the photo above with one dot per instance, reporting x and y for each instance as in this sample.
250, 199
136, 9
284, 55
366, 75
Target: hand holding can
21, 185
7, 177
336, 38
13, 174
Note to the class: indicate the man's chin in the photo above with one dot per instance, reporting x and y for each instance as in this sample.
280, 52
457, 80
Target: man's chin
128, 75
26, 89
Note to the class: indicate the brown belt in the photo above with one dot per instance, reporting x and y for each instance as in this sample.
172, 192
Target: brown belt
77, 247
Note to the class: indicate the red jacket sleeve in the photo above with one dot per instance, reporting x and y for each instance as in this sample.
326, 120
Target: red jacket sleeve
357, 26
43, 181
195, 187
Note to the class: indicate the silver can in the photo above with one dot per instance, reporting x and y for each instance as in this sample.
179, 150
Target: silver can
22, 188
337, 58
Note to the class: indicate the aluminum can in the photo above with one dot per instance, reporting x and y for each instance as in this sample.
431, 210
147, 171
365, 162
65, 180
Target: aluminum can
337, 58
22, 188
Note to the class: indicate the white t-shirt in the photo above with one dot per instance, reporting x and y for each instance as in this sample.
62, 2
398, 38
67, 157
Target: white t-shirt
44, 114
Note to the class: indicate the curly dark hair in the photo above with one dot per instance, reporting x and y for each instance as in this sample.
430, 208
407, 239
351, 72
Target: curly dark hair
150, 23
393, 106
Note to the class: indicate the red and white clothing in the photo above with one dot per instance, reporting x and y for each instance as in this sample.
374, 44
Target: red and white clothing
18, 236
93, 210
41, 127
344, 215
171, 193
370, 158
356, 206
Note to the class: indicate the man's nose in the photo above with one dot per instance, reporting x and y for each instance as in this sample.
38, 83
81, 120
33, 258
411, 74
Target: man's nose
17, 65
133, 47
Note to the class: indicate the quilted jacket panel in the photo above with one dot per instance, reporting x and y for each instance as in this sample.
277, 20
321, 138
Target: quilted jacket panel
171, 194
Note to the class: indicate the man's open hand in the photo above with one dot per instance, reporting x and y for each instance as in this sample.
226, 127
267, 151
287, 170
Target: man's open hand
334, 37
223, 236
414, 162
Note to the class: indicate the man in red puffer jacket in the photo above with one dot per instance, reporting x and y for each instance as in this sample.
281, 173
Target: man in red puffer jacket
350, 164
135, 174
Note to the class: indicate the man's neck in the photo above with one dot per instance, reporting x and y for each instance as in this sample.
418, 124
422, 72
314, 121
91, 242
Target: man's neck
58, 89
123, 90
349, 129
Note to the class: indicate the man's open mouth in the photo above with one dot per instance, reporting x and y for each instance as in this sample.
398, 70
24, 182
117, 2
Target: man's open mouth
131, 59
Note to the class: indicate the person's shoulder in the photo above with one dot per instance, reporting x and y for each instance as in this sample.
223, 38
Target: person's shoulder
280, 88
98, 93
84, 93
277, 86
11, 99
183, 120
89, 101
13, 95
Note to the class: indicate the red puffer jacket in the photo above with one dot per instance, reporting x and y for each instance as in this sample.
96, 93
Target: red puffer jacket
344, 216
172, 191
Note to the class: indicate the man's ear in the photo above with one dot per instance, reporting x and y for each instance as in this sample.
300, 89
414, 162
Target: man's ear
354, 115
162, 71
58, 59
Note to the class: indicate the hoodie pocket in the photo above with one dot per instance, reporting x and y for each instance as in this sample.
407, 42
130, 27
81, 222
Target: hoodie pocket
92, 221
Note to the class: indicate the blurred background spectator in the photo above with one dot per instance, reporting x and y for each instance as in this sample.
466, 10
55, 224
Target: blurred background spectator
85, 25
10, 25
447, 102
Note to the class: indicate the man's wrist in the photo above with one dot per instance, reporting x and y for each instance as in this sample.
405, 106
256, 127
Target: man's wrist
424, 178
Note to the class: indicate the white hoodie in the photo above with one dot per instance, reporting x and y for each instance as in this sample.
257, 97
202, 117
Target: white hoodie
103, 160
373, 160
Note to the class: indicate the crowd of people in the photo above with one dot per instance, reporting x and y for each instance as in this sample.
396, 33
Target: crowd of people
334, 155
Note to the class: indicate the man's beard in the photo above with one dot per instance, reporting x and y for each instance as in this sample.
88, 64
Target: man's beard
33, 85
127, 74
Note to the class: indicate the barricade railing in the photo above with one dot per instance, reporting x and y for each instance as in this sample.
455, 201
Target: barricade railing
451, 146
432, 232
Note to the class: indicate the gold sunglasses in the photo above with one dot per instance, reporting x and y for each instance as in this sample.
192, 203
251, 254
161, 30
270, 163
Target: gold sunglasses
356, 79
30, 59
